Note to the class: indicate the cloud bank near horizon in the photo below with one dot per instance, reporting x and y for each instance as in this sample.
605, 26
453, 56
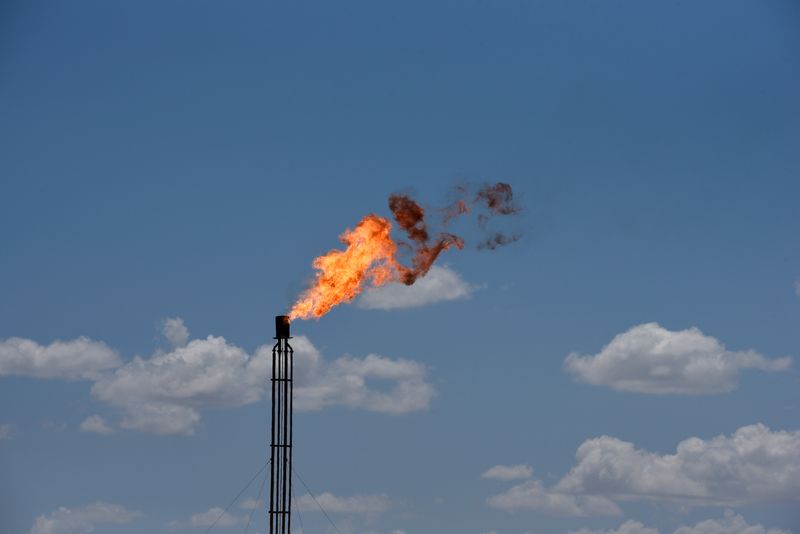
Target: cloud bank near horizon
82, 520
729, 523
166, 392
753, 465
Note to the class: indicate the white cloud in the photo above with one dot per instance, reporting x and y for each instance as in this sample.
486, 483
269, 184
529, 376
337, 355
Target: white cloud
628, 527
651, 359
164, 394
754, 464
532, 495
82, 520
5, 432
206, 519
249, 504
357, 504
78, 359
797, 287
175, 332
96, 424
508, 472
729, 524
346, 382
213, 516
440, 284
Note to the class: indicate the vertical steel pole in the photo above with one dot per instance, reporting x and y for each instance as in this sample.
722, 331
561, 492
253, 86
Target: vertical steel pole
285, 444
280, 498
290, 357
272, 444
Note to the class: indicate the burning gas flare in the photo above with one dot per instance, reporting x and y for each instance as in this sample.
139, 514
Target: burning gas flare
370, 256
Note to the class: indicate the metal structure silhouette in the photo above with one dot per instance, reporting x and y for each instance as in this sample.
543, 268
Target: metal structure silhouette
280, 486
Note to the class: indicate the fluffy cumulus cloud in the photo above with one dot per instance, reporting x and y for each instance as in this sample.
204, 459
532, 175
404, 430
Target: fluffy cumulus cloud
651, 359
508, 472
96, 425
356, 504
754, 464
164, 394
5, 432
730, 523
82, 520
175, 332
440, 284
346, 381
628, 527
533, 495
78, 359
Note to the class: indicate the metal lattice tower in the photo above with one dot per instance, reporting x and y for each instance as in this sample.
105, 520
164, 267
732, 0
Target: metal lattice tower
280, 486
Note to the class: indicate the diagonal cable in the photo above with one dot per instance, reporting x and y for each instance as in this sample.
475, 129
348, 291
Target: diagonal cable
316, 501
257, 504
299, 515
237, 497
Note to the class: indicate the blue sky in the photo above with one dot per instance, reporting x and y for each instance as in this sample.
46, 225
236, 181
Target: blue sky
169, 170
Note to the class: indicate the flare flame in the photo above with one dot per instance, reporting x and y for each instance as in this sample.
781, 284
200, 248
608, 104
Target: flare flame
370, 254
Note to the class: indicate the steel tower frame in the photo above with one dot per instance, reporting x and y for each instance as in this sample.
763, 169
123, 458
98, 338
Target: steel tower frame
280, 486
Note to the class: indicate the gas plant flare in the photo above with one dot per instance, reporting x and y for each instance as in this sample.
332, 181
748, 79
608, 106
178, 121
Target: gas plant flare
370, 256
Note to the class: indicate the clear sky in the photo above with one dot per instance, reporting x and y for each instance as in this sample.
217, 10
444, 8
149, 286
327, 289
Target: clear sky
169, 169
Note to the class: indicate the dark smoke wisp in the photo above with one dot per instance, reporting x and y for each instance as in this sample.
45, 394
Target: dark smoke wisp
410, 216
494, 199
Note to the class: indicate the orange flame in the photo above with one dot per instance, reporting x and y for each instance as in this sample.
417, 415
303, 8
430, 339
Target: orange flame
370, 256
